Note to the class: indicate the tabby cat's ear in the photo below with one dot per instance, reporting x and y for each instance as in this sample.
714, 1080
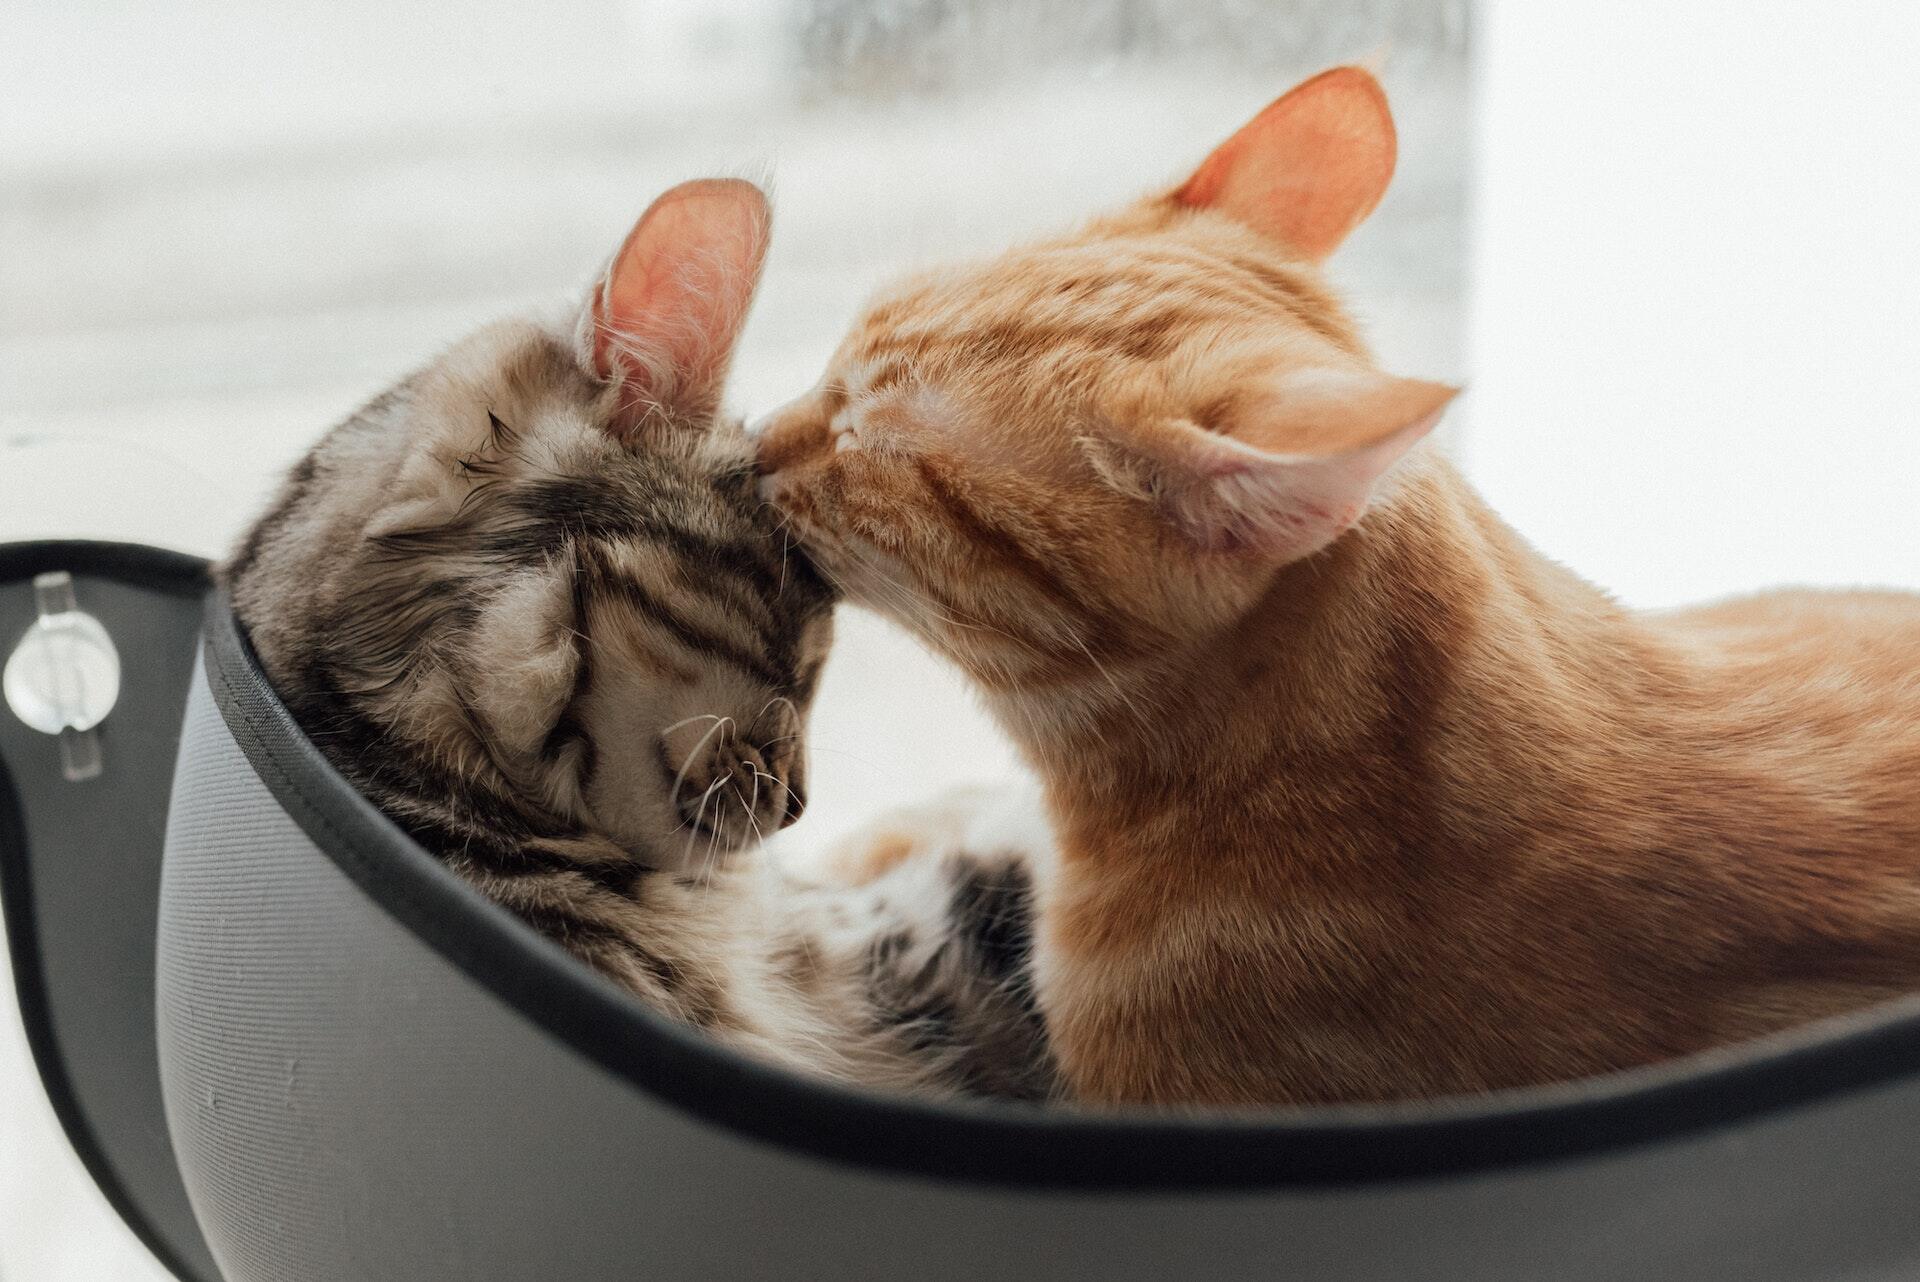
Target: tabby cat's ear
1293, 472
666, 315
1308, 169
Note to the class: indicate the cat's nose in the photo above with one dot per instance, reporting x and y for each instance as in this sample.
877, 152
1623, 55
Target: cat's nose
734, 795
787, 436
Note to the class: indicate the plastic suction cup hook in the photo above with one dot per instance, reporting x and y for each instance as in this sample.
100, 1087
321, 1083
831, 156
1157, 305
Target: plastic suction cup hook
64, 676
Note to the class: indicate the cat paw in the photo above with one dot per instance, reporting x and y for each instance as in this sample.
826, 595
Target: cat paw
928, 829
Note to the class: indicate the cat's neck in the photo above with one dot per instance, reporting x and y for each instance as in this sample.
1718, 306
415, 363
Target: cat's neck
1430, 634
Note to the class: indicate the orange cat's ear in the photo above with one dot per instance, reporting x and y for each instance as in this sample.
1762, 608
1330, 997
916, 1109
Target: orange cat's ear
666, 315
1342, 434
1308, 169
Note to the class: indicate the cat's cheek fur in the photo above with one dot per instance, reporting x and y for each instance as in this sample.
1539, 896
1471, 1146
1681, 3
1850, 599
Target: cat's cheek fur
868, 574
525, 660
808, 497
627, 791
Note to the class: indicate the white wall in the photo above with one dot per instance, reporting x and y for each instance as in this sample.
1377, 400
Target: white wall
1695, 338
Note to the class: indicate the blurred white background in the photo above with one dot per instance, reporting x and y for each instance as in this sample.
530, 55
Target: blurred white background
1694, 344
1691, 336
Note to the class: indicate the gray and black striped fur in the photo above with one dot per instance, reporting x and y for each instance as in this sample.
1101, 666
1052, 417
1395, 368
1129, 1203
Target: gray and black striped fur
564, 648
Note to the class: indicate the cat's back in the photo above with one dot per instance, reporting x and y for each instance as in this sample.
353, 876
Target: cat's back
1820, 686
1790, 638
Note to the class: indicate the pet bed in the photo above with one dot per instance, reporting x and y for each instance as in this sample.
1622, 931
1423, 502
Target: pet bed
288, 1044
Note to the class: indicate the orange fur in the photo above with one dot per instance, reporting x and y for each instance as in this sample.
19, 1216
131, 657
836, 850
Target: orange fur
1357, 796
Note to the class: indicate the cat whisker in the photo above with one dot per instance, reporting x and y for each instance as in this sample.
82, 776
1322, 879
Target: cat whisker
700, 811
710, 859
950, 615
695, 823
753, 806
779, 783
687, 721
719, 725
785, 530
913, 601
773, 702
776, 780
831, 752
947, 613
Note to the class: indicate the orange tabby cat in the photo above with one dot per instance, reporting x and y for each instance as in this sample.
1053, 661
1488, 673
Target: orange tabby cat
1357, 796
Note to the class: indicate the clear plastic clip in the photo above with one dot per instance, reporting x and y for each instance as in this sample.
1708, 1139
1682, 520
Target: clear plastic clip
64, 676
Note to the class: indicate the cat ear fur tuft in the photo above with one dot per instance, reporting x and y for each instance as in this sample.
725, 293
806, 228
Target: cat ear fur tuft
1225, 494
1307, 170
666, 315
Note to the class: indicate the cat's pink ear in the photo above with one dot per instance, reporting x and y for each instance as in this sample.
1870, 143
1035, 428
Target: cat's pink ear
1308, 169
1331, 437
669, 310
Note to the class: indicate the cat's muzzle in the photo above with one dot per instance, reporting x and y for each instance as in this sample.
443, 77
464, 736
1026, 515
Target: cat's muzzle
740, 792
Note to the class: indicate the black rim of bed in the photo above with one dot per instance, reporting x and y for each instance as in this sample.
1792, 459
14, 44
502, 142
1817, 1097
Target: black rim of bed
1014, 1144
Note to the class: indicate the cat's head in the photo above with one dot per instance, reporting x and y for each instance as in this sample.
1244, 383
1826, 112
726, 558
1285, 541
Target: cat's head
1100, 443
539, 567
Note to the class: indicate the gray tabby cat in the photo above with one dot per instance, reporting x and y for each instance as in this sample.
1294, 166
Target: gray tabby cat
528, 603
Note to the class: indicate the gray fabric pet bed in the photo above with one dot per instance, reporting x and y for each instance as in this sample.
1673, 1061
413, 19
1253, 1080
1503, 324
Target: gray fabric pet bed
289, 1045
